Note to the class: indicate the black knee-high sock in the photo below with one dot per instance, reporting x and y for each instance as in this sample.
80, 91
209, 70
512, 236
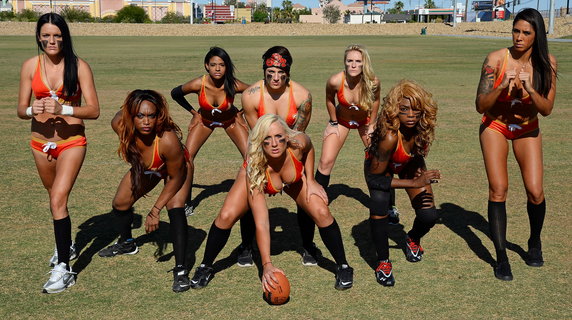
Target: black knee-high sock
322, 179
497, 225
179, 235
307, 229
536, 213
380, 235
332, 238
124, 222
62, 231
215, 243
247, 229
424, 220
391, 198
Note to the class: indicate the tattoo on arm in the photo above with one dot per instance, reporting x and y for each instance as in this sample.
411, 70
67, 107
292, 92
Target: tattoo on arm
487, 78
253, 90
304, 114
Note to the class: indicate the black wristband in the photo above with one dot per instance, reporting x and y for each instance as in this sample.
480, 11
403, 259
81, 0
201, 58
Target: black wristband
333, 122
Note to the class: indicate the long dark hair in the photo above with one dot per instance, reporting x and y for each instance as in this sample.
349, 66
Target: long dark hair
543, 69
229, 79
127, 142
70, 58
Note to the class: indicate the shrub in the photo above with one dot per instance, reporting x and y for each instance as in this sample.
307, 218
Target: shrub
72, 14
132, 14
7, 16
173, 17
28, 15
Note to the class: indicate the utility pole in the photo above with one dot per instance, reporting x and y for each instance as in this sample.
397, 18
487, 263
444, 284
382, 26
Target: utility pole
192, 12
551, 18
454, 13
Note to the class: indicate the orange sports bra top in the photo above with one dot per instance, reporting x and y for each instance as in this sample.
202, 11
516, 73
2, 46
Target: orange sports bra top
41, 89
299, 170
157, 163
400, 156
341, 98
505, 94
292, 109
205, 104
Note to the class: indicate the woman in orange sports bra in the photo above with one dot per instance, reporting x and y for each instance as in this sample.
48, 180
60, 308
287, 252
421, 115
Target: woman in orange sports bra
516, 85
357, 90
51, 88
150, 141
278, 161
399, 144
216, 91
278, 94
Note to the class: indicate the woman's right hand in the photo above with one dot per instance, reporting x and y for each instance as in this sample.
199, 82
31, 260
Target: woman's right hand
331, 130
38, 106
508, 79
268, 278
424, 178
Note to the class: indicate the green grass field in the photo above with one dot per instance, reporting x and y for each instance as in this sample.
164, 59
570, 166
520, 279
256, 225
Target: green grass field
454, 280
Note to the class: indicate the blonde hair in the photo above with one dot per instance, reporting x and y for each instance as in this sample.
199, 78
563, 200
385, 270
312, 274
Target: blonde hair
421, 100
368, 85
257, 162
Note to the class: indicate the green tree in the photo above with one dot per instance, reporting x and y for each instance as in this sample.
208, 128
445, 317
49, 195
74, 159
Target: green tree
430, 4
240, 5
174, 17
260, 14
229, 2
73, 14
132, 14
287, 9
28, 15
397, 8
332, 14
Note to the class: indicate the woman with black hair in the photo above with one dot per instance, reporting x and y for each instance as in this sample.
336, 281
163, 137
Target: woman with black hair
150, 141
57, 79
516, 85
216, 91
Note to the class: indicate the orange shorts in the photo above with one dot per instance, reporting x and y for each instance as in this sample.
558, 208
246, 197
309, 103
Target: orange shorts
53, 149
510, 131
351, 124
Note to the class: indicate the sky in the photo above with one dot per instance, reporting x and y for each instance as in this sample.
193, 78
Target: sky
411, 4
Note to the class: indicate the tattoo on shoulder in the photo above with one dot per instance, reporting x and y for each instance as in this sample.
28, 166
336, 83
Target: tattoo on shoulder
487, 78
254, 90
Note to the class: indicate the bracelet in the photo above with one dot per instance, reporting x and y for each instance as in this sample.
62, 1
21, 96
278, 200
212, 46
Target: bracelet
154, 206
29, 112
67, 110
333, 122
266, 263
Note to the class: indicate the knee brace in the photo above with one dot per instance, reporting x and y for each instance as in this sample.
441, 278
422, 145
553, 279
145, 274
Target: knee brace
378, 181
427, 216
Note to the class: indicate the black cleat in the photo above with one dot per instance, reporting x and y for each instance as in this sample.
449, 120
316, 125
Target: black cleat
534, 257
181, 281
344, 277
126, 247
503, 272
203, 275
384, 274
413, 250
244, 258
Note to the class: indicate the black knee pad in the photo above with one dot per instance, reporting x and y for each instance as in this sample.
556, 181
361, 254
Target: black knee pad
428, 216
380, 202
378, 181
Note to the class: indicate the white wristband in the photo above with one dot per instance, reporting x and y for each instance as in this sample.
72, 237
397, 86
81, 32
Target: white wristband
29, 112
67, 110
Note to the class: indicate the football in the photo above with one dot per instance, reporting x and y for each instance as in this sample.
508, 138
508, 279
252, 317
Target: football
280, 294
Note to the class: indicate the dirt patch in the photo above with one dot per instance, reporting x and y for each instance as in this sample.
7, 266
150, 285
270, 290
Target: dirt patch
562, 27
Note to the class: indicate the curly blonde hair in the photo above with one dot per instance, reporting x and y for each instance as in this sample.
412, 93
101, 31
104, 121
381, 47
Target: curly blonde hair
257, 162
421, 100
368, 85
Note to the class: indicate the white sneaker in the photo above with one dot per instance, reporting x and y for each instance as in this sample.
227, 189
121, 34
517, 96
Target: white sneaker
60, 279
73, 255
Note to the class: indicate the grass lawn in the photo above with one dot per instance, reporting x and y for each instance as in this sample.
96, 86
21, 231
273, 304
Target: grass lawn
454, 280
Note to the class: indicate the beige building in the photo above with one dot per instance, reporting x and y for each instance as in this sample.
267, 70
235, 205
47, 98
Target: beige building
156, 9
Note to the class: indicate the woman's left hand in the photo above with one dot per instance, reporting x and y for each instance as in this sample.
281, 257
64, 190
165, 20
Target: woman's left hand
526, 83
268, 278
313, 187
152, 220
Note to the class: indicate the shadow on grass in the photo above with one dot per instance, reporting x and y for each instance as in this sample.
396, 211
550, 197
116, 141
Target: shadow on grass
211, 190
362, 239
460, 220
100, 231
336, 190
